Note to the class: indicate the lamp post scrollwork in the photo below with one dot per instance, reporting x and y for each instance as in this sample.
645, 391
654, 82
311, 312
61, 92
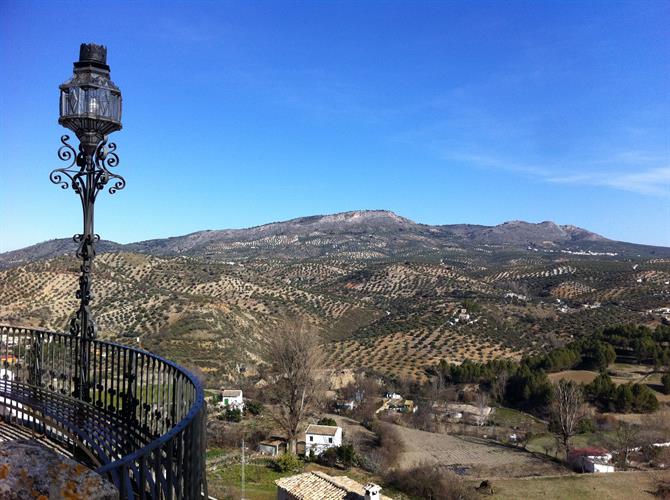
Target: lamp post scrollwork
90, 106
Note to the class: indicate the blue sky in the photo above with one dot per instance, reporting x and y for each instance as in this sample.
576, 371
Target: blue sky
242, 113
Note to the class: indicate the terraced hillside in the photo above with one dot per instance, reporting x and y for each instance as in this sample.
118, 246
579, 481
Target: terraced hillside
397, 310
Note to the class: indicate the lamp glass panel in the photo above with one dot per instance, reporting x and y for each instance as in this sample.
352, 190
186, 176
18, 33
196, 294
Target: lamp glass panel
90, 102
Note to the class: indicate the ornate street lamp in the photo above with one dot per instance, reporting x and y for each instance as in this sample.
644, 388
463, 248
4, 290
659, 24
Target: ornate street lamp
90, 106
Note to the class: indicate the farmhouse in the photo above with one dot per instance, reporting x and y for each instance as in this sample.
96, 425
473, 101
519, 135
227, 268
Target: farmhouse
319, 438
232, 398
468, 413
321, 486
591, 460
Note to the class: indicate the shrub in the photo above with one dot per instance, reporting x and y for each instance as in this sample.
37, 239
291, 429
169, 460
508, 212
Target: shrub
328, 457
431, 482
585, 426
389, 446
233, 415
327, 421
346, 455
288, 462
254, 407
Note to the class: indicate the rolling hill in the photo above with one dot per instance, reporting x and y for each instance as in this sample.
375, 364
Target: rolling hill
385, 292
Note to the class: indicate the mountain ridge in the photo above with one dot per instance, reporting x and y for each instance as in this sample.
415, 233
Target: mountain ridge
375, 232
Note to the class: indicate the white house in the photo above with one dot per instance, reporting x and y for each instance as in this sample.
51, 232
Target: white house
232, 398
595, 464
591, 460
345, 404
319, 438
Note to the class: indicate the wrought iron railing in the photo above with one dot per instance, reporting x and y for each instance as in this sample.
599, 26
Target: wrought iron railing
141, 422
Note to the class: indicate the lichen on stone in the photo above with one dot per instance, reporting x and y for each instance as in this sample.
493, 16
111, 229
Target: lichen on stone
31, 471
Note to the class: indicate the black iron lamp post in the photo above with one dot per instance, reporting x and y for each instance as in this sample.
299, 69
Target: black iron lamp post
90, 106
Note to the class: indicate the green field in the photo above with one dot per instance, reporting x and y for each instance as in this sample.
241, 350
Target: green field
259, 484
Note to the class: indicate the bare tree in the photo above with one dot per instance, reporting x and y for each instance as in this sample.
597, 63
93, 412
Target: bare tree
524, 435
482, 403
626, 438
295, 383
424, 417
499, 385
567, 409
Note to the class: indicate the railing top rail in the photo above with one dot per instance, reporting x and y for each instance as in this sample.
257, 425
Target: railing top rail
172, 364
195, 409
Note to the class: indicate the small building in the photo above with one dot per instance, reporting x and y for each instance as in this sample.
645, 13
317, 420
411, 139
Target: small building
319, 438
232, 398
345, 404
468, 413
591, 460
408, 406
463, 316
320, 486
273, 447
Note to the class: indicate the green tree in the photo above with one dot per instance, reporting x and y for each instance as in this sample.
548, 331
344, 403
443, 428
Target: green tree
665, 381
602, 390
327, 421
624, 398
644, 399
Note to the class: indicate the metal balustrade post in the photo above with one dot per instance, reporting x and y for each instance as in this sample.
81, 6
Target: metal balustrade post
35, 367
129, 393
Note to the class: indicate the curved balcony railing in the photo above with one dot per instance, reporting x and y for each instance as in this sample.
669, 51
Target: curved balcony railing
141, 421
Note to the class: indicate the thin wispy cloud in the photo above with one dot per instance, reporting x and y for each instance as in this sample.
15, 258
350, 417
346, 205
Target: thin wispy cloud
645, 179
482, 161
653, 181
